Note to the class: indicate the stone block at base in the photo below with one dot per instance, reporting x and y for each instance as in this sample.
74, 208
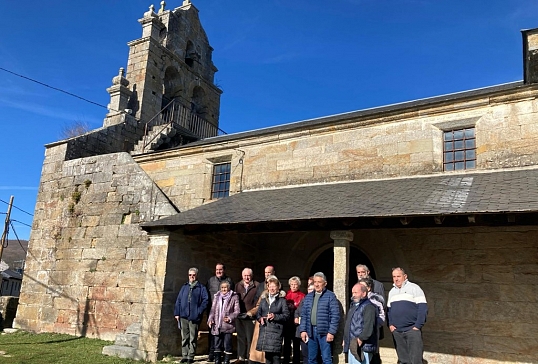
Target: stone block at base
124, 352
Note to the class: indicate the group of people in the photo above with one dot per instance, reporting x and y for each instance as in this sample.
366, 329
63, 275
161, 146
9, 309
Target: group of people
270, 322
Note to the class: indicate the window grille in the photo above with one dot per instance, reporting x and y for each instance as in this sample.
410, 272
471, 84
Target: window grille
221, 181
459, 149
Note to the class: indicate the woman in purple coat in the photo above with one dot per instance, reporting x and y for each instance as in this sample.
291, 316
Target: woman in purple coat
221, 321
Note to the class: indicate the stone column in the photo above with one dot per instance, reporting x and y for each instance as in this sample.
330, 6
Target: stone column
154, 287
340, 285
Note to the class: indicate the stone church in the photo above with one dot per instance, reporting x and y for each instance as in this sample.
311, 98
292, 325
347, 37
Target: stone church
444, 187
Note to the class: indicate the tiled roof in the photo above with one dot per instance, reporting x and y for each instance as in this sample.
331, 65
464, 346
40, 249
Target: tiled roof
8, 273
442, 194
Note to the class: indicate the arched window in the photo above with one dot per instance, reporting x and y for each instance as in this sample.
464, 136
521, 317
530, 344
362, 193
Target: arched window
190, 54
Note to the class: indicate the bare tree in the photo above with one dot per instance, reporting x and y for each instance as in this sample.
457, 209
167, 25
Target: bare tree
75, 129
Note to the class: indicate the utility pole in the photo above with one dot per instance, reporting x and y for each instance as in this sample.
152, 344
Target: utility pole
6, 228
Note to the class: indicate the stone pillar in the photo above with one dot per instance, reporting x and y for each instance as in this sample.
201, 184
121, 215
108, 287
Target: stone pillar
530, 55
154, 288
151, 24
119, 97
340, 285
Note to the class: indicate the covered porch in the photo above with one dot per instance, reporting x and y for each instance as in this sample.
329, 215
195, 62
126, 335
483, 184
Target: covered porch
468, 239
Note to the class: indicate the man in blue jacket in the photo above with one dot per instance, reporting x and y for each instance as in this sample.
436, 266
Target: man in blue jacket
190, 305
320, 316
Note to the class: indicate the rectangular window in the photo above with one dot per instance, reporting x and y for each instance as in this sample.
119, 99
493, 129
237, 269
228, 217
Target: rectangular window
221, 181
459, 149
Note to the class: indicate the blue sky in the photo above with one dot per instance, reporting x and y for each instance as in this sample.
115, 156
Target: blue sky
279, 61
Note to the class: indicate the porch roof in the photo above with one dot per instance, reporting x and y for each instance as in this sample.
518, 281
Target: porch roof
447, 194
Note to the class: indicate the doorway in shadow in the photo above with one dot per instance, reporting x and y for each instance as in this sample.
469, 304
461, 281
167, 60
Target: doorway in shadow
325, 263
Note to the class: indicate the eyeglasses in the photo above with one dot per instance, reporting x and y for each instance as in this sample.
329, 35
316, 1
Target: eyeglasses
192, 275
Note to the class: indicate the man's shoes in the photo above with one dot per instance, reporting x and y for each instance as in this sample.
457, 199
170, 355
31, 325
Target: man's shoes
183, 360
239, 361
190, 361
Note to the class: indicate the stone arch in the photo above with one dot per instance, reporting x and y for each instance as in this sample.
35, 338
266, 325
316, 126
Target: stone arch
198, 101
172, 87
190, 54
323, 261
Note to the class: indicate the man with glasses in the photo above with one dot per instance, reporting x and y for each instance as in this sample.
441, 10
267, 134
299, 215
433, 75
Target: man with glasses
190, 305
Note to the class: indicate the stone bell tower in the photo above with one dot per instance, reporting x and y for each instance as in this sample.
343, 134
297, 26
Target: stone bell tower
170, 74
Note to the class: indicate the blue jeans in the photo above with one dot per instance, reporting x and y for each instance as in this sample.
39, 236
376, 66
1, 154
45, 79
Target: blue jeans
319, 342
367, 358
223, 340
409, 346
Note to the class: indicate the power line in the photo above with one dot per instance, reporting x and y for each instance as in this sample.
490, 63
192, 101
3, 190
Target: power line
13, 227
22, 223
52, 87
7, 203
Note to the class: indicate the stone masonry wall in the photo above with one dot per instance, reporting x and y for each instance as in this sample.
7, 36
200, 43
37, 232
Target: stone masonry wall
86, 261
381, 146
480, 284
120, 137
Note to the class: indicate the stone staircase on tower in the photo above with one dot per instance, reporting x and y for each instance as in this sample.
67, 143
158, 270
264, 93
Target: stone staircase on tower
175, 125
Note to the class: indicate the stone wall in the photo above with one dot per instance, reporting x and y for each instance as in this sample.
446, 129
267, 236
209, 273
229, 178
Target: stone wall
120, 137
397, 144
157, 65
8, 311
86, 261
480, 282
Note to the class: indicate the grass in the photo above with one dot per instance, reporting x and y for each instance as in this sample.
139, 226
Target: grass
24, 348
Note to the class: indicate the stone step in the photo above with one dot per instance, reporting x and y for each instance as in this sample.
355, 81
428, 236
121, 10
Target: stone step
135, 328
130, 340
124, 352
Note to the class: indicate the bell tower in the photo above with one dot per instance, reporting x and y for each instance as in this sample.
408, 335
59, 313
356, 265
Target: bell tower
170, 72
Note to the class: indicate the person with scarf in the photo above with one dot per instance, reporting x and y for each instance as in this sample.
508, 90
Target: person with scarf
190, 305
221, 321
272, 315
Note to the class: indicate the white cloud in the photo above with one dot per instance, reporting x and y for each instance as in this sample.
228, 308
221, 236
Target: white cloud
18, 188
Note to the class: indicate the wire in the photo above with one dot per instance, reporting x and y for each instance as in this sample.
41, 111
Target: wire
69, 93
22, 223
54, 88
7, 203
14, 232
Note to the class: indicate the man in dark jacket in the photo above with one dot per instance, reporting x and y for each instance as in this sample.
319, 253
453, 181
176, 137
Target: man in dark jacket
190, 305
364, 272
360, 336
244, 325
213, 286
320, 316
